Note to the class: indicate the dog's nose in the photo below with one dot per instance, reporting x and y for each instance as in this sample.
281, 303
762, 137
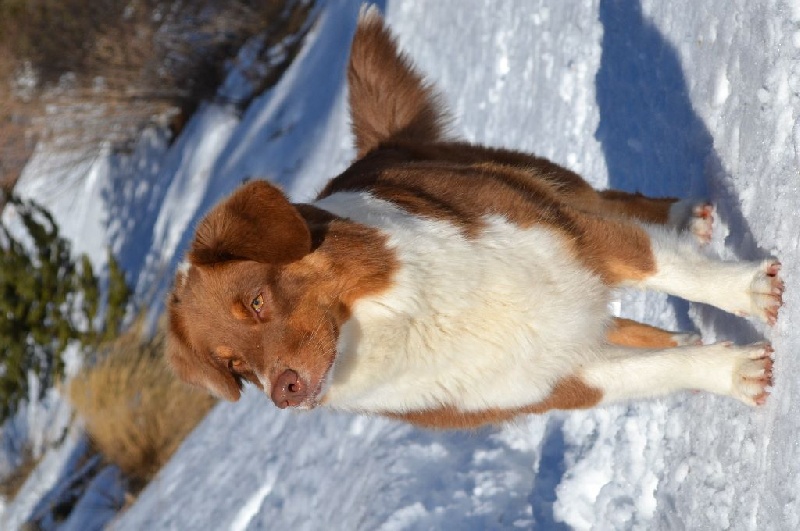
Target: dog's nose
289, 390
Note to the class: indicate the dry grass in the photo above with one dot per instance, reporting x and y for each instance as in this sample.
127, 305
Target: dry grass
9, 486
136, 412
16, 144
102, 71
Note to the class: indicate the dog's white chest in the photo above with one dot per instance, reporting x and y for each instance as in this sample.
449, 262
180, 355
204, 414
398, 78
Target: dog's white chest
491, 321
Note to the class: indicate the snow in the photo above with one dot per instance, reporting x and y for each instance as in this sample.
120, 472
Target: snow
53, 475
669, 98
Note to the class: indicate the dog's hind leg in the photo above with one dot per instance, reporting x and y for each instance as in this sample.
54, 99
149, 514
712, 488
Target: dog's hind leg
742, 372
691, 215
694, 216
629, 333
654, 257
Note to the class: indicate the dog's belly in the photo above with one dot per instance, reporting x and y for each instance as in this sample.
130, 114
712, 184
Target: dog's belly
486, 322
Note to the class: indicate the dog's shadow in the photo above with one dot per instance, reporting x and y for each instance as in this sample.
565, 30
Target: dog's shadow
655, 143
652, 139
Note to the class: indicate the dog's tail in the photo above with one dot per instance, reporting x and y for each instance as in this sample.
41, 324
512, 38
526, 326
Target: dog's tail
389, 100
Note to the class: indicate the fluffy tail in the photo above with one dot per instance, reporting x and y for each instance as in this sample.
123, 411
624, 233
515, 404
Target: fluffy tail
389, 100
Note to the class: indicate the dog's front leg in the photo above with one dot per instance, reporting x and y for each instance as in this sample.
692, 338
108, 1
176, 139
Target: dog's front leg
742, 372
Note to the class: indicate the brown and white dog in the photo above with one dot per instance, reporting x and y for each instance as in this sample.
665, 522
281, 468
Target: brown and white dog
452, 285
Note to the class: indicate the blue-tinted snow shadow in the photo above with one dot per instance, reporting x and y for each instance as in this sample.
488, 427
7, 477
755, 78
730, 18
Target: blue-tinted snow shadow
653, 140
134, 196
551, 471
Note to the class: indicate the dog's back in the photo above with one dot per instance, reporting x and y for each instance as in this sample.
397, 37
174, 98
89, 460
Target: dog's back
388, 99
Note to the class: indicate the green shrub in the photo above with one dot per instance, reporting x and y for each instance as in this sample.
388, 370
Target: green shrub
47, 299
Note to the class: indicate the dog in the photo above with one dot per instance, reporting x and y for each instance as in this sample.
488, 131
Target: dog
452, 285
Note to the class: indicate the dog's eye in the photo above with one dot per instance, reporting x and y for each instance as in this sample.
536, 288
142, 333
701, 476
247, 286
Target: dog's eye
258, 303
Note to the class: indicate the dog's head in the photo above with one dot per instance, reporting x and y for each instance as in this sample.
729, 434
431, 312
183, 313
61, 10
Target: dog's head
251, 303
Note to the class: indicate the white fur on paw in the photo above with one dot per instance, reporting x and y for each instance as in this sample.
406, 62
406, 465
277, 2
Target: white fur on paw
743, 372
753, 375
766, 291
701, 224
695, 217
686, 339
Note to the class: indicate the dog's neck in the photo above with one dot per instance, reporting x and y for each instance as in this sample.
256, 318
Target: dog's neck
354, 258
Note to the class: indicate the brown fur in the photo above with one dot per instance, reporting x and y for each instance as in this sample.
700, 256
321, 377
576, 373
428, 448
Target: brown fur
637, 206
431, 182
569, 393
257, 223
388, 98
629, 333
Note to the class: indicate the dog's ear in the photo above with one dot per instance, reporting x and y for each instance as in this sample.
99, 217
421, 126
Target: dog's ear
256, 223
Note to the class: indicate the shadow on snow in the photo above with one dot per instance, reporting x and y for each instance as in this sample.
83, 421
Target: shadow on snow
653, 140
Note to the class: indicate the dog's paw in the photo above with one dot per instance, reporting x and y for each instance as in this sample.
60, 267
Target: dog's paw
752, 377
701, 224
766, 291
687, 339
743, 372
695, 217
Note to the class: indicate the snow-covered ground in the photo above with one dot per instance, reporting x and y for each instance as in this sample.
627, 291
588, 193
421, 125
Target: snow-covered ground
681, 98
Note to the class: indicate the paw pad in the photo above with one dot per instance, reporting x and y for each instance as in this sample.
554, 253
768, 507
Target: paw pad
753, 378
767, 291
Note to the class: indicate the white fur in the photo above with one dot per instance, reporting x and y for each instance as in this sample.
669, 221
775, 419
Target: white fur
182, 273
369, 14
694, 217
493, 321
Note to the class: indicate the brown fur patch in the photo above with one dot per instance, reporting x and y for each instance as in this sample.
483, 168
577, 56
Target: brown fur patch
239, 312
568, 393
225, 353
629, 333
256, 223
616, 249
460, 193
525, 190
388, 98
637, 206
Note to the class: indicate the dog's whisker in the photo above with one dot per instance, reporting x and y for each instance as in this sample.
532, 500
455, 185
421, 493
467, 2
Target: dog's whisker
308, 339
